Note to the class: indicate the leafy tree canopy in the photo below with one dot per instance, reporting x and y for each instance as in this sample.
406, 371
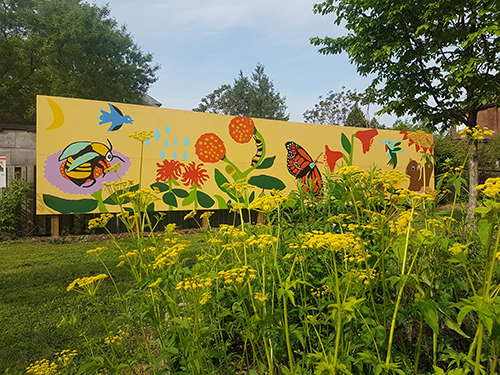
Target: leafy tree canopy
437, 60
251, 97
66, 48
342, 108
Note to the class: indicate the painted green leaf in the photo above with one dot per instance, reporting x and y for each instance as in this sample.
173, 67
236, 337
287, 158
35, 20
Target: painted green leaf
266, 163
220, 179
189, 199
181, 193
252, 197
69, 206
266, 182
221, 202
346, 144
204, 199
151, 207
111, 199
160, 185
170, 199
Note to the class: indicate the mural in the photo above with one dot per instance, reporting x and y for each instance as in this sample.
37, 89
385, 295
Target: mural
91, 153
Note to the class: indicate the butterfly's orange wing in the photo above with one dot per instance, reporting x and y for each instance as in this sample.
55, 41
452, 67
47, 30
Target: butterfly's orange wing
301, 165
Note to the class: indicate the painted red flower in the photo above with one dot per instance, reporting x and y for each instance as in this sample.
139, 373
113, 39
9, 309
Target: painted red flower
194, 174
241, 129
331, 157
168, 169
366, 138
210, 148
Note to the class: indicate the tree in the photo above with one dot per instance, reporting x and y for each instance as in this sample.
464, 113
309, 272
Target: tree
436, 60
334, 108
342, 108
66, 48
254, 97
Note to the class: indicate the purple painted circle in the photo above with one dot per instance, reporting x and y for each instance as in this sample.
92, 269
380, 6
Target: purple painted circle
53, 174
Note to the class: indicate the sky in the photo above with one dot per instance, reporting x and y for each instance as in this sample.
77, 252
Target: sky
202, 44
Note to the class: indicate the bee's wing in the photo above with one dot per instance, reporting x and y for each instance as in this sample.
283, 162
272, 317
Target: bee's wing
73, 149
83, 159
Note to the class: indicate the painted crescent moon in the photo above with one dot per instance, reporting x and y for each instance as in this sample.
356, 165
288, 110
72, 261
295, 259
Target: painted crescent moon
58, 115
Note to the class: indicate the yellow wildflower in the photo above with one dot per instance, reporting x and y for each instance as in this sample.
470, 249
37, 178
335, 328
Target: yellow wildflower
87, 285
348, 170
491, 188
97, 251
142, 136
261, 297
190, 215
205, 297
100, 222
156, 283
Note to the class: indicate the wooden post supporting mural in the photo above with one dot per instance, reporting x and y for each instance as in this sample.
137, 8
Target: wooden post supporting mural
260, 218
204, 223
54, 226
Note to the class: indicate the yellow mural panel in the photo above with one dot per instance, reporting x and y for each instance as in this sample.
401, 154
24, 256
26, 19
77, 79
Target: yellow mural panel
85, 152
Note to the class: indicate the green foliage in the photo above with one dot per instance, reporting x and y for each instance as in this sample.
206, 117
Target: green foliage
356, 118
249, 97
66, 48
342, 109
10, 201
436, 60
334, 108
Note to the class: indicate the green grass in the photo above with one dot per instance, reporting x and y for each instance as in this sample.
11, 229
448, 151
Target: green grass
33, 299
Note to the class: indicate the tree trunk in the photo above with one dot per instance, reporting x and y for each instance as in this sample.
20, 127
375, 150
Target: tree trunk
473, 179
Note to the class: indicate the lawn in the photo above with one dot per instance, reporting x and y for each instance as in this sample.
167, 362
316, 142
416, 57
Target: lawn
33, 298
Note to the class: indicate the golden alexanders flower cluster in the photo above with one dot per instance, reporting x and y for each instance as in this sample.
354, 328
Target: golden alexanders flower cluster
142, 198
267, 203
45, 367
142, 136
390, 179
116, 338
100, 222
237, 275
400, 225
97, 251
170, 255
42, 367
193, 283
347, 170
356, 255
361, 276
114, 168
491, 188
476, 132
321, 292
262, 241
87, 285
331, 241
231, 231
238, 188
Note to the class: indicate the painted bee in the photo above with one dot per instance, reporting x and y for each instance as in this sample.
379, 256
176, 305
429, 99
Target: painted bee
84, 162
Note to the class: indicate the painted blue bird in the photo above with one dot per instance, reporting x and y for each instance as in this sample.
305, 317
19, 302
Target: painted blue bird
392, 149
115, 117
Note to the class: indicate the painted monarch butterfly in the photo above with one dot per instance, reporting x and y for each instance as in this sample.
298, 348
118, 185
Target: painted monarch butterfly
301, 165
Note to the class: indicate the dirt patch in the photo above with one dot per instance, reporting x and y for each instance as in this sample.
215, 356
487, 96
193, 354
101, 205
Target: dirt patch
72, 238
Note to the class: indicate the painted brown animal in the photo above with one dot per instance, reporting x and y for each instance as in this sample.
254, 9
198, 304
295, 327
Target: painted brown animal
416, 173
